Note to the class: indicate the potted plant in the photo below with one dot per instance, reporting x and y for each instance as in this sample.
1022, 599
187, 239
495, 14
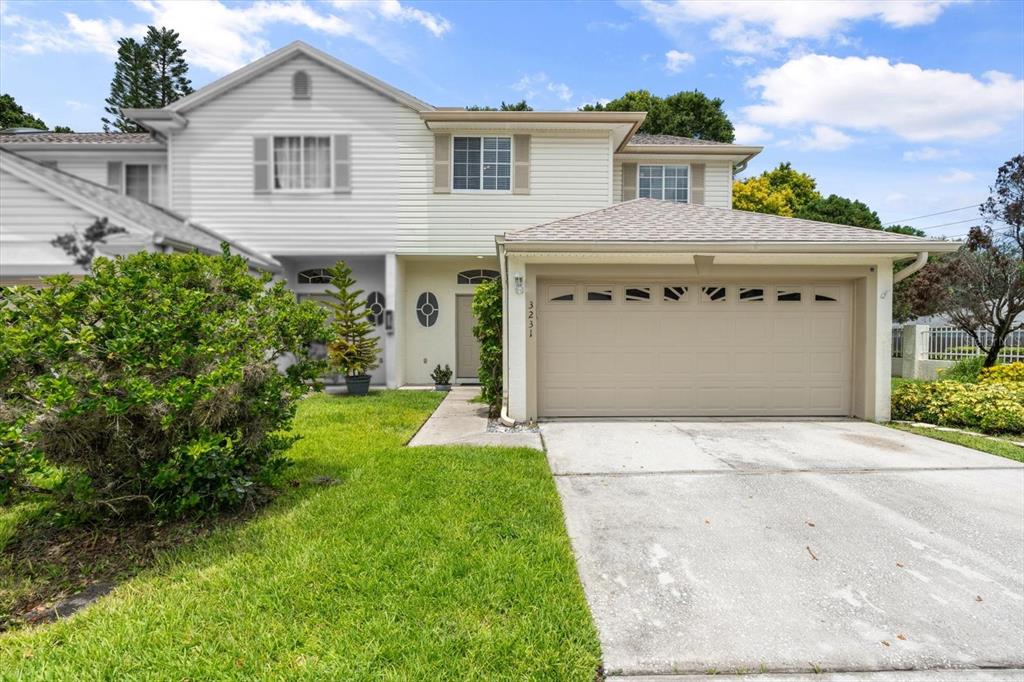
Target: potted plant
352, 350
442, 378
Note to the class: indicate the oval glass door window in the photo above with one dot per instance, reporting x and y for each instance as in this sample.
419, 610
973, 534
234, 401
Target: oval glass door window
427, 309
375, 307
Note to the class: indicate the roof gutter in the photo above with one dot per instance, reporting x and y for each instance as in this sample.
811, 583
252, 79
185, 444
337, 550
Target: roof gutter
788, 247
920, 262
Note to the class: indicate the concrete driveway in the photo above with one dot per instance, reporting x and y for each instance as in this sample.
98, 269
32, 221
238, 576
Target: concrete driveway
787, 546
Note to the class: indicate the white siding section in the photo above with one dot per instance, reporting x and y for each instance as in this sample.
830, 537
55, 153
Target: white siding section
212, 173
29, 219
570, 173
91, 165
717, 177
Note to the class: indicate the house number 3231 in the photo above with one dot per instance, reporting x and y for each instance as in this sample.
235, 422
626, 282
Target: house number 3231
530, 317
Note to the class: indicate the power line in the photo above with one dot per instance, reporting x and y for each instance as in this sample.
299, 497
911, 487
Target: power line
957, 222
930, 215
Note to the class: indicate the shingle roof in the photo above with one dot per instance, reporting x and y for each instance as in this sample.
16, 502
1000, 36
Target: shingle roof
44, 136
146, 217
651, 220
641, 139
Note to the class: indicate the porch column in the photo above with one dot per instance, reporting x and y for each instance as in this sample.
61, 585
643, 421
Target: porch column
878, 323
516, 330
394, 300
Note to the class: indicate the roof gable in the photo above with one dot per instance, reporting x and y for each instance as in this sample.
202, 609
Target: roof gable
279, 57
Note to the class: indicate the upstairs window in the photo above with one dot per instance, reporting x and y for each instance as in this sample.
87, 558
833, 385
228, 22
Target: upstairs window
146, 182
671, 183
482, 163
301, 85
302, 163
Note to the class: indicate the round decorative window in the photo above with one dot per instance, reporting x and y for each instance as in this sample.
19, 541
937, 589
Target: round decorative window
375, 306
427, 309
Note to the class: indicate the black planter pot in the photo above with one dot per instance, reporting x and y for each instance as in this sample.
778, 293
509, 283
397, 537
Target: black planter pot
442, 387
358, 385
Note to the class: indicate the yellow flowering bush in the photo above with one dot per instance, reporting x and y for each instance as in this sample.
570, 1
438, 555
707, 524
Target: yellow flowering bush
1012, 372
992, 407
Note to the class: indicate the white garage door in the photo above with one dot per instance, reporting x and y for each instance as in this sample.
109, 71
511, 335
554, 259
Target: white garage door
693, 348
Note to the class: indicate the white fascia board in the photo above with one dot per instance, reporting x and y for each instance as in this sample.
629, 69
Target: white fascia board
883, 250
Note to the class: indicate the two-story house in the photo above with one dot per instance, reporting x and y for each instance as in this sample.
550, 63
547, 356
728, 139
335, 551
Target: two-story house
632, 287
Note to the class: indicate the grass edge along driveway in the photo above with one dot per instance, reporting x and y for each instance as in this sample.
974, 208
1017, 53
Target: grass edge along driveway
426, 563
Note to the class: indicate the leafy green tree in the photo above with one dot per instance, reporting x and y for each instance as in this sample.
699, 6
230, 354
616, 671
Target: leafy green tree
133, 85
167, 56
154, 383
521, 105
686, 114
12, 115
62, 129
905, 229
353, 349
780, 191
837, 209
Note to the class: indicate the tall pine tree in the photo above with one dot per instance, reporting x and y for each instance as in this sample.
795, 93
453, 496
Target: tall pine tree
133, 85
169, 66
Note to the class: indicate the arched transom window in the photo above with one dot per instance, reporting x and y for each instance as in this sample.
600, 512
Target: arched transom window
314, 276
477, 276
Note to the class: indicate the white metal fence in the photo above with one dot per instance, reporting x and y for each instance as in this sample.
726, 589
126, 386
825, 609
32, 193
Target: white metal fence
950, 343
897, 342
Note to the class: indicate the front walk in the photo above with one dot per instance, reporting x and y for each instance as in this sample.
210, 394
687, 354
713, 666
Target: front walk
460, 421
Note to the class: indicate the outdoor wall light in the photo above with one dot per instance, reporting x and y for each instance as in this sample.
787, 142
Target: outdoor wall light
518, 280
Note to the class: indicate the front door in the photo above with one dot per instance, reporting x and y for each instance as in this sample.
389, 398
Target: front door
467, 351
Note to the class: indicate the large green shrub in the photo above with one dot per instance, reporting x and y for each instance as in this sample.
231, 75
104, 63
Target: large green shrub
488, 331
154, 382
964, 370
995, 407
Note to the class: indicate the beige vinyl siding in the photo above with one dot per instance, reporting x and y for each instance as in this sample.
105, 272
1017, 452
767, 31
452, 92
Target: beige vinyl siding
391, 150
29, 219
717, 177
569, 174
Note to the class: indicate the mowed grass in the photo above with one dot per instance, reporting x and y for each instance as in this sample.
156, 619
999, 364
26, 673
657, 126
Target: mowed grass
1001, 447
427, 563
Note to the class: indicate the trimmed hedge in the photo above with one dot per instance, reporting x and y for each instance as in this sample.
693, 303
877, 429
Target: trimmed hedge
992, 407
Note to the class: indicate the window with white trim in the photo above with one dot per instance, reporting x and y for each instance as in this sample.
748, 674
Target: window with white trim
482, 163
671, 183
146, 182
302, 162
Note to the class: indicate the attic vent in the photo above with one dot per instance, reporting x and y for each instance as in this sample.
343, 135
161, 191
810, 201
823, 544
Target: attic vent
301, 87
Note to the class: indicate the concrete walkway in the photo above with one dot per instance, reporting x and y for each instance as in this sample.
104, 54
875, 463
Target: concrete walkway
458, 421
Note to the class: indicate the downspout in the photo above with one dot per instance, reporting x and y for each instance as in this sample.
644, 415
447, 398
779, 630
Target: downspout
503, 267
920, 262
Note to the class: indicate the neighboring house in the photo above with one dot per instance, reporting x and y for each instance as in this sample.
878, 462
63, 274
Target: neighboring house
614, 307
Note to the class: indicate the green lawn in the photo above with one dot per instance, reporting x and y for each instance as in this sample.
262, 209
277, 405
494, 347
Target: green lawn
433, 563
1003, 448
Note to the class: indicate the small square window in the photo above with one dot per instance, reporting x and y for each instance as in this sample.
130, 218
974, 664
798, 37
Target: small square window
751, 294
713, 294
674, 294
638, 294
599, 294
788, 295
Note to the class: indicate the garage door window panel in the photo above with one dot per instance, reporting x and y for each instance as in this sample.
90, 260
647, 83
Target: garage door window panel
751, 295
714, 294
600, 294
561, 294
826, 294
637, 294
788, 295
675, 293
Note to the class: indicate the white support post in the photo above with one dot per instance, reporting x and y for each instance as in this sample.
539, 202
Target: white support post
392, 292
515, 325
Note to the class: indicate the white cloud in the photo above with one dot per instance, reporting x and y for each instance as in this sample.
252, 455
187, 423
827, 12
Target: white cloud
759, 26
221, 37
675, 60
741, 61
747, 133
825, 139
537, 84
75, 105
561, 90
955, 175
929, 154
872, 94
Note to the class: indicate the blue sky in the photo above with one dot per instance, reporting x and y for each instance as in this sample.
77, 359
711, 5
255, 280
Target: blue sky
908, 106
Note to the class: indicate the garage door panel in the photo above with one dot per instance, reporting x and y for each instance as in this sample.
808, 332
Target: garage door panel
695, 357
